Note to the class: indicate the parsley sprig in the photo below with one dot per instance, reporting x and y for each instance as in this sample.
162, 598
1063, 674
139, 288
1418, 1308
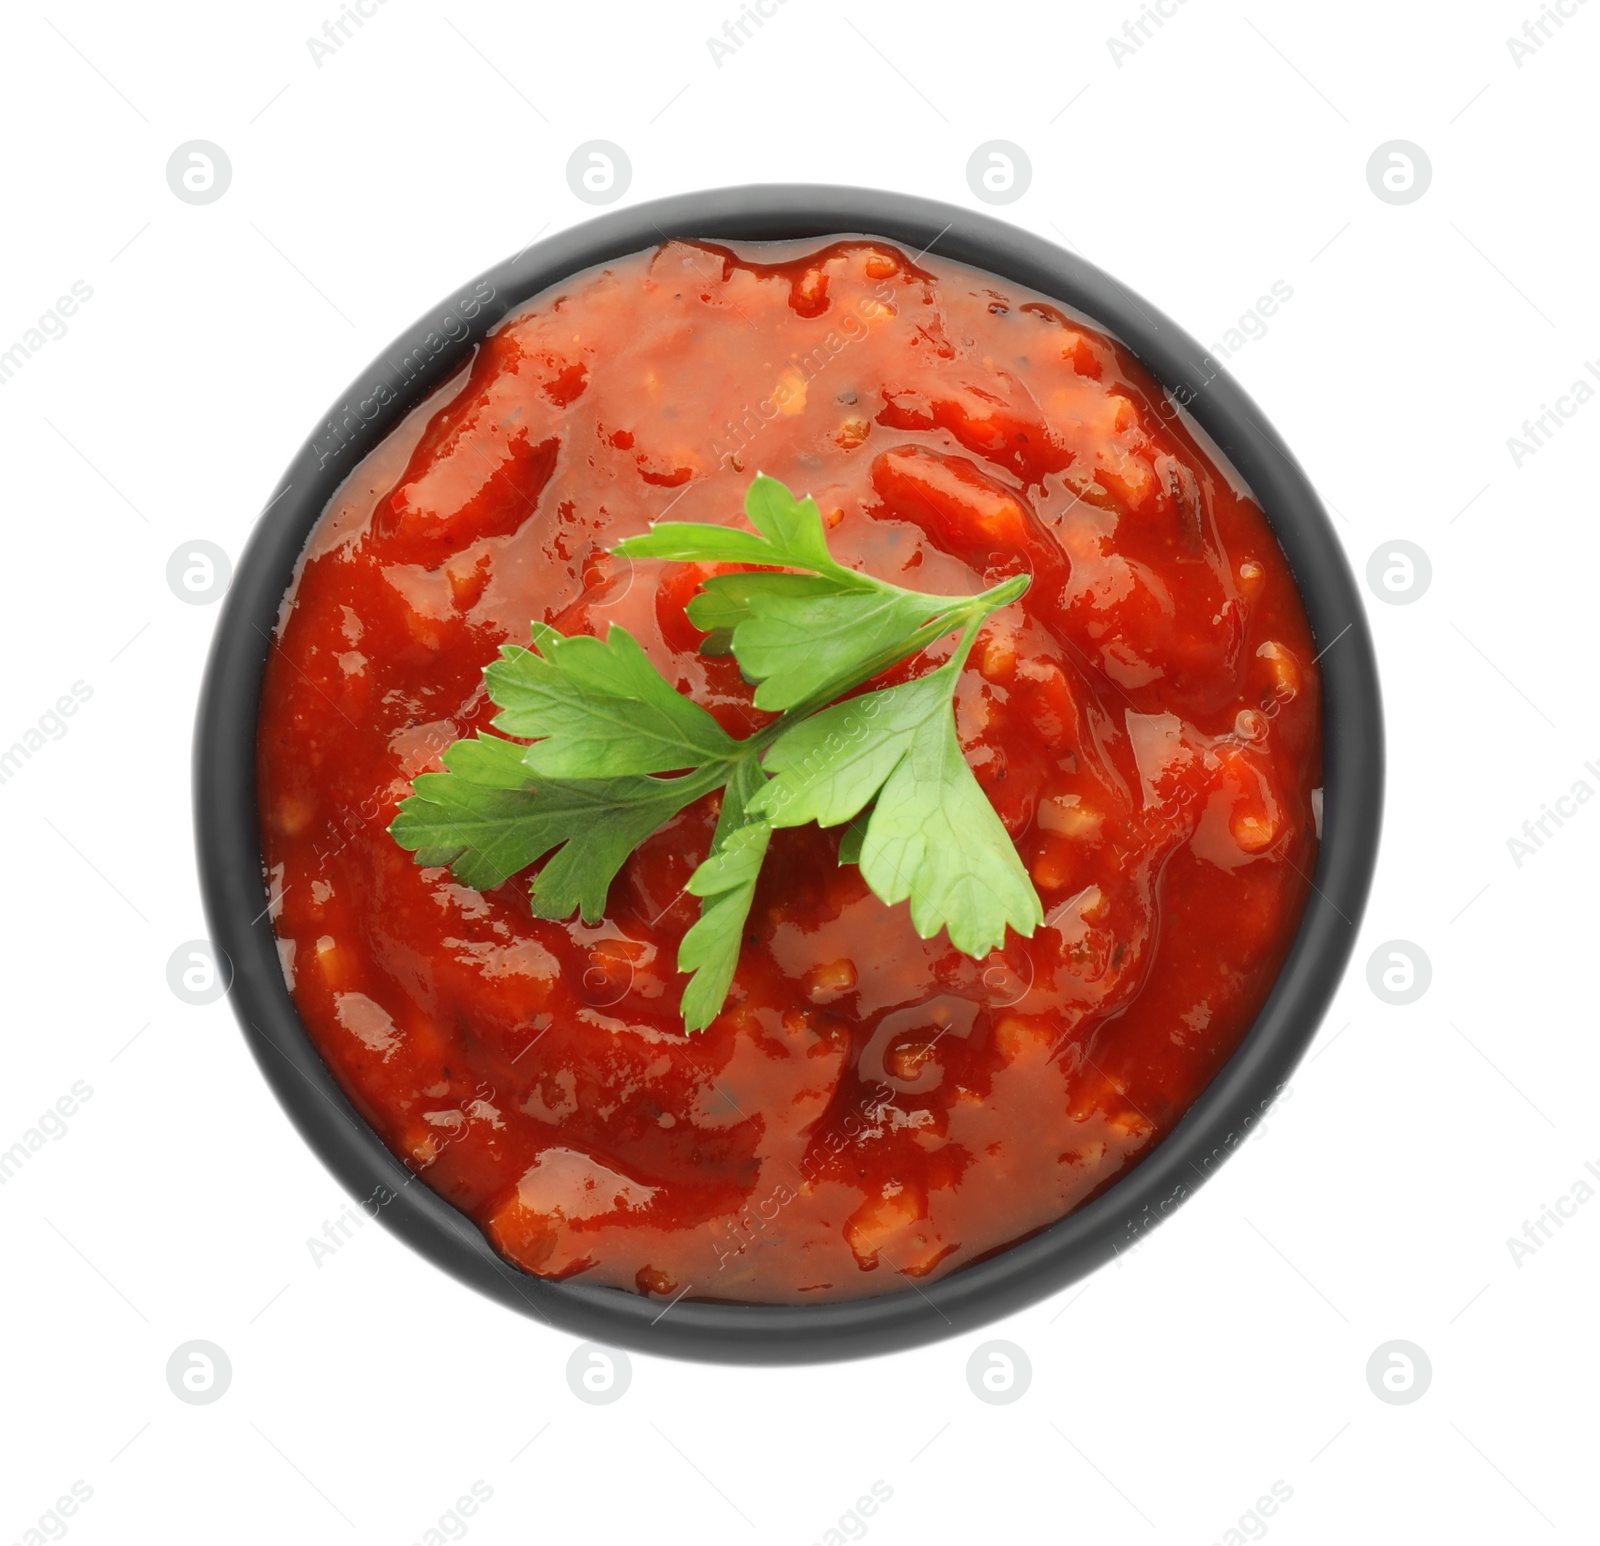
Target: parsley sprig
613, 750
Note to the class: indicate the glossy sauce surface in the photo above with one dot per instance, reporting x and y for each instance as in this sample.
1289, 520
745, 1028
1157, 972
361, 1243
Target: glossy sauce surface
870, 1106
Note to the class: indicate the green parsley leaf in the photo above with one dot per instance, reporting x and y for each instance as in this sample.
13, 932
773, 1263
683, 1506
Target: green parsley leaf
597, 708
694, 542
828, 766
604, 821
787, 522
933, 836
790, 536
491, 816
798, 647
853, 837
724, 601
726, 883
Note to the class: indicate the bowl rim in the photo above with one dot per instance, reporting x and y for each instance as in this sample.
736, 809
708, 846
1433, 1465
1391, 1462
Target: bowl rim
236, 895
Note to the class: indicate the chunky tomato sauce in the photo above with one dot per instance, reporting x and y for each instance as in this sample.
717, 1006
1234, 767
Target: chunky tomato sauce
870, 1107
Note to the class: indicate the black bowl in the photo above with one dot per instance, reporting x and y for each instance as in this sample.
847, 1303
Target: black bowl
229, 839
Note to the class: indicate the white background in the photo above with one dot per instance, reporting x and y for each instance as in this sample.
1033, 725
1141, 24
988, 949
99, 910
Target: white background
1229, 1351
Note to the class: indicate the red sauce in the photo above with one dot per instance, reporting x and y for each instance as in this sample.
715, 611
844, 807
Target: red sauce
869, 1106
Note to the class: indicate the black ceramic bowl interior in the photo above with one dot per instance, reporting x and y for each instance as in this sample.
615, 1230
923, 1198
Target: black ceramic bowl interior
235, 886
